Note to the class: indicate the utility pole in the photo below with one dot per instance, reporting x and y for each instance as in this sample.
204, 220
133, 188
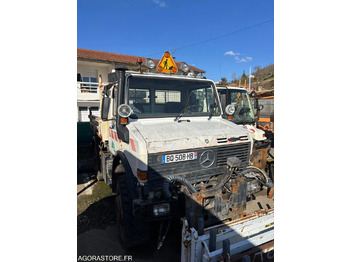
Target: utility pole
250, 73
250, 76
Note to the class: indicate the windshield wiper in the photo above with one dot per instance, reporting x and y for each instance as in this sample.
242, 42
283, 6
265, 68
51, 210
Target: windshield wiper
178, 116
183, 109
211, 114
211, 109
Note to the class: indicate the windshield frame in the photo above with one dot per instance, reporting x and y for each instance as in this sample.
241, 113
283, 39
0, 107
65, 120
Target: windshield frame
228, 91
172, 115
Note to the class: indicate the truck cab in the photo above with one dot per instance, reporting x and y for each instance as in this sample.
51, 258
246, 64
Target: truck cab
170, 153
243, 114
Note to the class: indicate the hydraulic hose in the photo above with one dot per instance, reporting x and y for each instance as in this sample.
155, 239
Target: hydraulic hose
268, 180
179, 179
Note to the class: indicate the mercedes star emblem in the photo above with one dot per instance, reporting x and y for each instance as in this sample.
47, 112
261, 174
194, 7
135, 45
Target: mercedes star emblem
207, 158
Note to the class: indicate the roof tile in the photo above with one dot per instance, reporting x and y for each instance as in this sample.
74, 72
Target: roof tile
113, 57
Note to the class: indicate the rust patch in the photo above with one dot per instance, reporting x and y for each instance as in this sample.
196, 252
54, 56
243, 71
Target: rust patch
259, 158
226, 204
235, 187
271, 193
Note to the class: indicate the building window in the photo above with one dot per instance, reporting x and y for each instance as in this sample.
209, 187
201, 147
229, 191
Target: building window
164, 96
89, 81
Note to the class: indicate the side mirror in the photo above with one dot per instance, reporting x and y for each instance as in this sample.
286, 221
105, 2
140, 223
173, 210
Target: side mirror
256, 103
261, 107
223, 100
106, 101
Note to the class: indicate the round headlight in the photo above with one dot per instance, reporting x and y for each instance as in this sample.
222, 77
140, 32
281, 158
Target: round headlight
184, 67
150, 63
230, 109
124, 110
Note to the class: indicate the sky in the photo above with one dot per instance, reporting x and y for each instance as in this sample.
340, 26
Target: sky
220, 37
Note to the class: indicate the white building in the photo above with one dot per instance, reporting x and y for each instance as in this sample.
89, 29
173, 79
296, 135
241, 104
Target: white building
92, 64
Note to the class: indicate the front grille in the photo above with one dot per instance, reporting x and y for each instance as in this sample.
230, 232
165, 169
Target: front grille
225, 140
241, 151
221, 140
192, 169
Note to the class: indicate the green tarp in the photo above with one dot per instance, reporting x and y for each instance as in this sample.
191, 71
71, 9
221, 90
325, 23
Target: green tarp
84, 133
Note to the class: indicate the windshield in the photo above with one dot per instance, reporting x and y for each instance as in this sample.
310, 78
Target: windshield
243, 109
164, 97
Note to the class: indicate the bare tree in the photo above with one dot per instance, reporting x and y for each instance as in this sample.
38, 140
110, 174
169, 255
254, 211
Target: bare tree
257, 68
233, 75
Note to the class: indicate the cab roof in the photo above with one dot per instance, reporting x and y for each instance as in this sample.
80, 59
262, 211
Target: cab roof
231, 88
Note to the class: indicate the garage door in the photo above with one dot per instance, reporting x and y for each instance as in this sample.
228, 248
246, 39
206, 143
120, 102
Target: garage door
83, 114
95, 111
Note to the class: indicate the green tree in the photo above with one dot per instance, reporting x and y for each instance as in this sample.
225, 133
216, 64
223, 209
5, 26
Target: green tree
243, 77
224, 80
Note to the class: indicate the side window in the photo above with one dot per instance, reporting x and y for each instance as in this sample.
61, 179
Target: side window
139, 100
165, 96
139, 96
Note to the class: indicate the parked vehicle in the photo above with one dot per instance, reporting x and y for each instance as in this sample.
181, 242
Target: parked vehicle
168, 153
245, 116
265, 119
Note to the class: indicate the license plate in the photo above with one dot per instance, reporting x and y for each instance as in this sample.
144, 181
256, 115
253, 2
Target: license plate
179, 157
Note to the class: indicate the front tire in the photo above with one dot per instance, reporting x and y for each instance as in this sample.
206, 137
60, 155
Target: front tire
133, 231
96, 156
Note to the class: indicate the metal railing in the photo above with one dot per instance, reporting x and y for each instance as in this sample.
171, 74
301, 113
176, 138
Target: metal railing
87, 87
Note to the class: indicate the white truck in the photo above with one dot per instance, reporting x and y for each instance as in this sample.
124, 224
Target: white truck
164, 148
245, 116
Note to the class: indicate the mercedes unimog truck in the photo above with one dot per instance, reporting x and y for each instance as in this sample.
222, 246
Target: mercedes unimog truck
165, 149
243, 114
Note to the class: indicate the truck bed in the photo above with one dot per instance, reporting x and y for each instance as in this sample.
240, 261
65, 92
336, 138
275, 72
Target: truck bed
239, 240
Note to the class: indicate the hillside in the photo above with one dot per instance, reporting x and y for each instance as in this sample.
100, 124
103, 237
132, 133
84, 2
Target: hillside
263, 78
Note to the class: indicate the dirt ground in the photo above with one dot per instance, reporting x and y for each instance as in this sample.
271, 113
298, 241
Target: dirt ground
97, 230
